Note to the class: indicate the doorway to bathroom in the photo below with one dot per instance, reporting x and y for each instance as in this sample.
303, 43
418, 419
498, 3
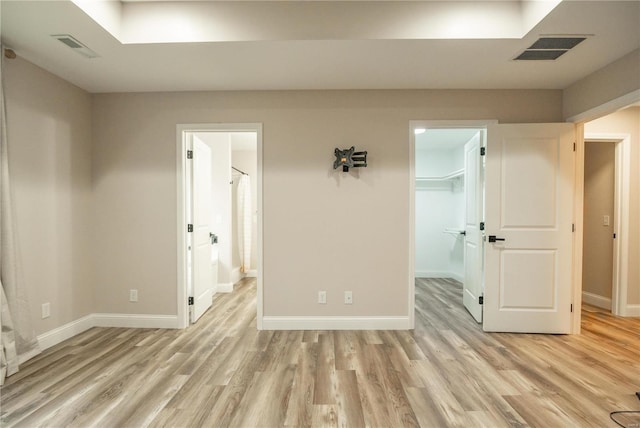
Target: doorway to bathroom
219, 213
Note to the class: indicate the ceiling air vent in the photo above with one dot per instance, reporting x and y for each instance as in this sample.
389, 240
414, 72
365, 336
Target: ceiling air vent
549, 48
74, 44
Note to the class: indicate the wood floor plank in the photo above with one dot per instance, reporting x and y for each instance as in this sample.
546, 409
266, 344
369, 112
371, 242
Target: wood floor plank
223, 372
300, 406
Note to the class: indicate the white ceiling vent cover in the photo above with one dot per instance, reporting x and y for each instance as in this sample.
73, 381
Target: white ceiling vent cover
75, 45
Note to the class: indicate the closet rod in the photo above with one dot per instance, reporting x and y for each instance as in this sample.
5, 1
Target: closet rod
241, 172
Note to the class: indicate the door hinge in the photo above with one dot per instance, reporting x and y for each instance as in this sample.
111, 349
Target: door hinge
574, 147
482, 225
189, 154
189, 228
483, 151
190, 301
481, 300
573, 227
572, 307
614, 236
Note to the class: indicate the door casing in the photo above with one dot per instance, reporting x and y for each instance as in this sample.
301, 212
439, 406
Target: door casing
413, 125
181, 209
621, 215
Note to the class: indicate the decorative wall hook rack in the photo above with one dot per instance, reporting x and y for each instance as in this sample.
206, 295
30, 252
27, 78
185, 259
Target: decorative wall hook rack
349, 158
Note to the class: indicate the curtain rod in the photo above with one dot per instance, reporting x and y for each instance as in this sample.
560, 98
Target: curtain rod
241, 172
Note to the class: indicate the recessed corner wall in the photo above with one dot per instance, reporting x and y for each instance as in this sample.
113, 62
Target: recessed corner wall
616, 80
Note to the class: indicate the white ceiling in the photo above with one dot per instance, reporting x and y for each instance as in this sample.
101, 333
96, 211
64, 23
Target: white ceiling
317, 45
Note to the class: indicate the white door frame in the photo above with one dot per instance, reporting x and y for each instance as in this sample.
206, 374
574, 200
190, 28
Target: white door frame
620, 214
181, 201
413, 125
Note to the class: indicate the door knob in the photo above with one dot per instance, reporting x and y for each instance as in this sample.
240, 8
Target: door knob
492, 238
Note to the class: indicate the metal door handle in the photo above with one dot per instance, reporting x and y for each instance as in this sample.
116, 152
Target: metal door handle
492, 238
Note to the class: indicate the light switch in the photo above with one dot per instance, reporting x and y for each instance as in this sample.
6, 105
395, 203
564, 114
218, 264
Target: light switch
605, 220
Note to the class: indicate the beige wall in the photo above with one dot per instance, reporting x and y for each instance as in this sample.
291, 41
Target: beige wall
627, 122
599, 186
49, 134
612, 81
323, 230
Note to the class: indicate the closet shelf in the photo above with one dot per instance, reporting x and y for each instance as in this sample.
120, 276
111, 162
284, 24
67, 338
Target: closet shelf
454, 174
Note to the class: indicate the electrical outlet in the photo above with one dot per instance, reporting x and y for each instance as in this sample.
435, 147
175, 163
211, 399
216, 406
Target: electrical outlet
322, 297
133, 295
348, 298
605, 220
46, 310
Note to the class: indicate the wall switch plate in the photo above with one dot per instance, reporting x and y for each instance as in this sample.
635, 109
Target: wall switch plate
605, 220
133, 295
322, 297
46, 310
348, 298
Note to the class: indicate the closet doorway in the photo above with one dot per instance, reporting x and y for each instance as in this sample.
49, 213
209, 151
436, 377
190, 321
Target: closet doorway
219, 213
449, 208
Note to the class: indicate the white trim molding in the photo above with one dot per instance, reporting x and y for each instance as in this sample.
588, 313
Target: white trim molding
182, 191
335, 323
413, 125
236, 275
596, 300
253, 273
224, 287
439, 274
66, 331
74, 328
135, 321
632, 311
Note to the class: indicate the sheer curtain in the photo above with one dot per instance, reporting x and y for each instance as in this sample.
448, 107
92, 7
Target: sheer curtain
244, 222
19, 342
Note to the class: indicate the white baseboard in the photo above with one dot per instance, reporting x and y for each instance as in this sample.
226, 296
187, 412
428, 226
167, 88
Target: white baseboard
632, 311
252, 273
66, 331
438, 274
236, 275
73, 328
135, 320
596, 300
335, 323
224, 287
431, 274
457, 277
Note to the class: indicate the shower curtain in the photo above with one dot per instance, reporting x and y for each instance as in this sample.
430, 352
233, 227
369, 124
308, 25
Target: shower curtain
19, 342
245, 220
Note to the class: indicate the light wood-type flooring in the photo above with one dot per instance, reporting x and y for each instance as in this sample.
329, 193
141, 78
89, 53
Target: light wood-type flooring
223, 372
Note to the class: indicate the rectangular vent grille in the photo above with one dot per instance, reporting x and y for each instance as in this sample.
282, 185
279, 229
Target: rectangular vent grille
549, 48
74, 44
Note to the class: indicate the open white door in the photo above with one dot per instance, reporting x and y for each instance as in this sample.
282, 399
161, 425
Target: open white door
529, 183
472, 287
201, 242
